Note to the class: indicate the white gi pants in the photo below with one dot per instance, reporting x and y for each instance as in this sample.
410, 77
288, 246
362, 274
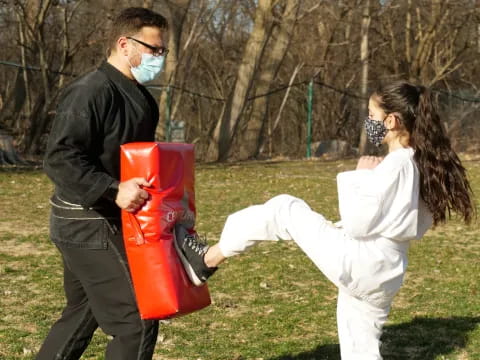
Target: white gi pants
359, 320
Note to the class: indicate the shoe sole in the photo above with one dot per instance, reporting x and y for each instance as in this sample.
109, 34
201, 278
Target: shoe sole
186, 265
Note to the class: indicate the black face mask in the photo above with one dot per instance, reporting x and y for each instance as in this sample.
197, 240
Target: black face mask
376, 131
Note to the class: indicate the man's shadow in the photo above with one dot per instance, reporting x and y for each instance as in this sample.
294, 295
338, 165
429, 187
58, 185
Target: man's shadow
420, 339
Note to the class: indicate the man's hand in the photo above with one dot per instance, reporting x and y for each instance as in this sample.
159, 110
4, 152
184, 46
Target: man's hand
368, 162
131, 196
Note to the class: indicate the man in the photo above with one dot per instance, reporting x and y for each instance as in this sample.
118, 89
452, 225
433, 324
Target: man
96, 114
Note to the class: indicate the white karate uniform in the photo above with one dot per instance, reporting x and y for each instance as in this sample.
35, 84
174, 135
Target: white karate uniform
364, 255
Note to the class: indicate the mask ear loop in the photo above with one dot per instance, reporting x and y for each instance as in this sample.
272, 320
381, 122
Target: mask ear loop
385, 119
135, 47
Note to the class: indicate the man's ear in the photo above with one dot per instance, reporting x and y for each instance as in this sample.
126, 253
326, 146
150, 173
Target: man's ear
122, 42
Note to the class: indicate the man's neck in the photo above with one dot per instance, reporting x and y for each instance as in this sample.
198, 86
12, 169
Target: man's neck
120, 65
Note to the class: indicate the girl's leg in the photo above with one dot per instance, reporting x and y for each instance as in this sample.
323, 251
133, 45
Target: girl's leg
284, 217
359, 328
289, 218
274, 220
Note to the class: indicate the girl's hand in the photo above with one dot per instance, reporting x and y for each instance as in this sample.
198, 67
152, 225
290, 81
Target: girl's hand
369, 162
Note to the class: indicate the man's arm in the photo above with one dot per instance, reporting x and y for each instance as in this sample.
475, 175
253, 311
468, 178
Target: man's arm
72, 156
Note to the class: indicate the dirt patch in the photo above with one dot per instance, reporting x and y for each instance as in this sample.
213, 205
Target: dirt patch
23, 229
14, 247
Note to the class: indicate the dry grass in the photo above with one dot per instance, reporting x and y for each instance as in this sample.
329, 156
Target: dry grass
270, 303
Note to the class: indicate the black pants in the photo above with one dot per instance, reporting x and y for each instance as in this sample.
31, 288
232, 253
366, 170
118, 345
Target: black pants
99, 292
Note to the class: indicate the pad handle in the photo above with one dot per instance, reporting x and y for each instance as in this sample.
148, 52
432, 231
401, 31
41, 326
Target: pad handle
139, 238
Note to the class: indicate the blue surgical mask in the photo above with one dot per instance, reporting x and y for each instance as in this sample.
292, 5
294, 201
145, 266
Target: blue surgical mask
375, 130
150, 67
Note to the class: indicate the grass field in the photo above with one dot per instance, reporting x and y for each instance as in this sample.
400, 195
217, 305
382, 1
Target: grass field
270, 303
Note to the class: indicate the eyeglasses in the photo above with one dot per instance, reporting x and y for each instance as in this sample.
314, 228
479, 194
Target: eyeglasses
156, 51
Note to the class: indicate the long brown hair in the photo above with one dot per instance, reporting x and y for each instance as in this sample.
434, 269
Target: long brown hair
444, 186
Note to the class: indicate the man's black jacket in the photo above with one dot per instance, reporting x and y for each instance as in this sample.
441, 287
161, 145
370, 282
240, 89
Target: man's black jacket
96, 114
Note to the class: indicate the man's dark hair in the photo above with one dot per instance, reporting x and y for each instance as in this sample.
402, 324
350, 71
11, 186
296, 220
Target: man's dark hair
131, 21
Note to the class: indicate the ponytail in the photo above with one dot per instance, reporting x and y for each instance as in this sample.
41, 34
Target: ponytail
444, 186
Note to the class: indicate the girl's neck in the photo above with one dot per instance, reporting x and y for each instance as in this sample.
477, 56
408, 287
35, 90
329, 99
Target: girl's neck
396, 144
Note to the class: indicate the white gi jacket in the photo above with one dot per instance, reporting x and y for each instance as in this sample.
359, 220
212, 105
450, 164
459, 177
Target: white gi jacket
366, 256
382, 210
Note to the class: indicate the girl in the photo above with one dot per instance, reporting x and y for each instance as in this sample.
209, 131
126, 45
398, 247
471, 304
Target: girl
384, 204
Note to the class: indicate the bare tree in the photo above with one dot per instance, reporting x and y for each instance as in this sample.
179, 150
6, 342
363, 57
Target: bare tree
226, 54
434, 38
45, 38
251, 137
176, 13
364, 55
235, 105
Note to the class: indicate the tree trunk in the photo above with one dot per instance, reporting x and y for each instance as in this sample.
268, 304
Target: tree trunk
23, 45
251, 140
176, 14
478, 38
8, 154
235, 105
364, 79
426, 37
14, 102
272, 126
39, 126
408, 34
32, 19
148, 4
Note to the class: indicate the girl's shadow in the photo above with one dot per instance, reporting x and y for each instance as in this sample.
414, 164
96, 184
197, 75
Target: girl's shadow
419, 339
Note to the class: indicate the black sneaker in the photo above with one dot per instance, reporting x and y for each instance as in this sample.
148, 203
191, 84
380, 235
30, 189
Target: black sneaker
191, 253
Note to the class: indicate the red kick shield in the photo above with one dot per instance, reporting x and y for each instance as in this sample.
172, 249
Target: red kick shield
161, 285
